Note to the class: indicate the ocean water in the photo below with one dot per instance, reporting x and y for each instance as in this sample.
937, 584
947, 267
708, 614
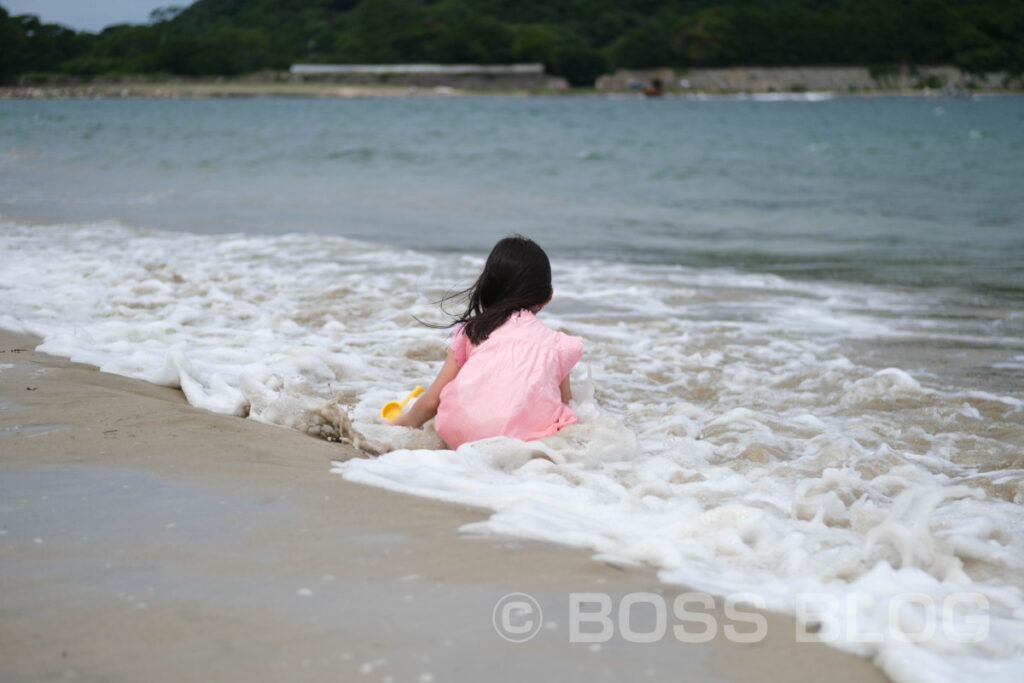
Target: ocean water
804, 321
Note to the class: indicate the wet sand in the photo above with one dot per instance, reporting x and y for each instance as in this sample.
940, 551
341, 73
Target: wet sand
143, 539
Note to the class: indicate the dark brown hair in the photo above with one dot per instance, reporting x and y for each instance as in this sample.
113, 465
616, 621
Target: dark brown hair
517, 275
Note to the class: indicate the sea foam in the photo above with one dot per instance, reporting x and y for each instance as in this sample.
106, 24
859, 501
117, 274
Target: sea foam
739, 432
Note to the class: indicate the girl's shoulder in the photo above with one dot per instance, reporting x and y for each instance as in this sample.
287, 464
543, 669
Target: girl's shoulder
534, 329
460, 344
565, 348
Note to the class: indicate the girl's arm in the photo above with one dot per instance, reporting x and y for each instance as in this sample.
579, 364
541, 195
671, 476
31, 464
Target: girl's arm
566, 390
426, 405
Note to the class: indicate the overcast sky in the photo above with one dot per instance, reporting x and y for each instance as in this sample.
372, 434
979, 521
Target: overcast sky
89, 15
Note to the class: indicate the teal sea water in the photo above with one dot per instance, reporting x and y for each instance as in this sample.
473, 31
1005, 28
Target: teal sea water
803, 320
888, 190
899, 192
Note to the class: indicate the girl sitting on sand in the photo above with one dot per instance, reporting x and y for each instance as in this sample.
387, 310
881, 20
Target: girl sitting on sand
507, 373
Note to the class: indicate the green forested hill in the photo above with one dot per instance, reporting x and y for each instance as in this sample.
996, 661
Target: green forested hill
579, 39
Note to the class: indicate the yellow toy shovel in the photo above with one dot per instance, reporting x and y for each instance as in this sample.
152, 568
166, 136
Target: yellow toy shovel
392, 409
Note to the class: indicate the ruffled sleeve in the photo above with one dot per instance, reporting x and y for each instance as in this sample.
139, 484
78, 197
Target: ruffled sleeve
570, 350
460, 345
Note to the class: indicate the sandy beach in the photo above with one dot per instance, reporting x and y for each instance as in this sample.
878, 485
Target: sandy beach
143, 539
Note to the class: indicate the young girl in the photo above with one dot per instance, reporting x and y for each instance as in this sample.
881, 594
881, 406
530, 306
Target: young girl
506, 374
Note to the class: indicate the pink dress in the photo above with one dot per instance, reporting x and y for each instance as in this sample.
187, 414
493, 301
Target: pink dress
508, 385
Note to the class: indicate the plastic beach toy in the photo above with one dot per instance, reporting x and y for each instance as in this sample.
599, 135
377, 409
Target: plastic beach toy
392, 409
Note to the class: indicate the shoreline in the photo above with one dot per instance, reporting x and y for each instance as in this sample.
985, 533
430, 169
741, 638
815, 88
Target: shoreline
143, 538
178, 90
162, 91
936, 81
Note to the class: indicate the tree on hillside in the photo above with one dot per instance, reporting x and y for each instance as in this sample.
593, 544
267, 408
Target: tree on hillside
578, 39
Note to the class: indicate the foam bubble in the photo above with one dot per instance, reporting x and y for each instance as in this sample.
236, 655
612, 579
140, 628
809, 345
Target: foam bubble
740, 432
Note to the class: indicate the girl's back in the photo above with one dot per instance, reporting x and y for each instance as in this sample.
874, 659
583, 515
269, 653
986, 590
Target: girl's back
506, 373
509, 384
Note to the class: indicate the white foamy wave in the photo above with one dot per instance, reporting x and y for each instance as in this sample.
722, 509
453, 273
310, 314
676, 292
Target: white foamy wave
813, 96
733, 431
816, 96
247, 326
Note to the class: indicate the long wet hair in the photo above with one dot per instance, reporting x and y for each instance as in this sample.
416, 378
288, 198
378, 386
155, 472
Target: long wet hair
517, 275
